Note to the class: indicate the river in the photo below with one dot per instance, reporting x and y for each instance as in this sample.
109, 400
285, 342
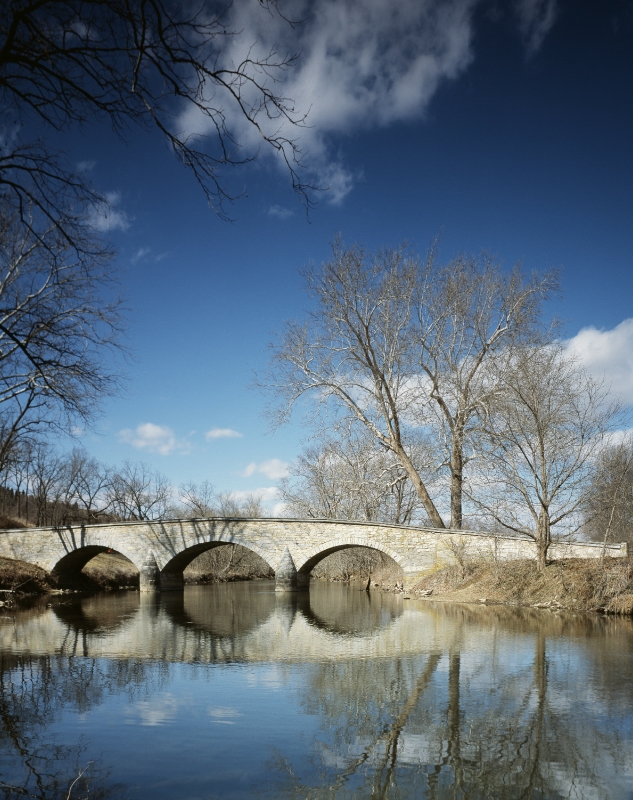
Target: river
232, 691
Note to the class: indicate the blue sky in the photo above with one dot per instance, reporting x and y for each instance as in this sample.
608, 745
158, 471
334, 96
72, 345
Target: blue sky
506, 126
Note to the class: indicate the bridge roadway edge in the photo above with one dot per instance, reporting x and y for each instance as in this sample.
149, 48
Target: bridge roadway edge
161, 549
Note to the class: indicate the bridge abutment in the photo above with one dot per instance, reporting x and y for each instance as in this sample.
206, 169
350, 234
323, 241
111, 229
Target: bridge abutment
149, 575
287, 579
171, 580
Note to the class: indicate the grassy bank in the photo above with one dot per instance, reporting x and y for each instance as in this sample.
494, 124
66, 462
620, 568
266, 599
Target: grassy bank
24, 578
574, 584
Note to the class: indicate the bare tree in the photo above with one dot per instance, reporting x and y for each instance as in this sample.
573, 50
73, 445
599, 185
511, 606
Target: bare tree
608, 513
350, 476
199, 500
148, 64
471, 317
400, 344
230, 504
543, 440
49, 484
57, 332
137, 492
89, 482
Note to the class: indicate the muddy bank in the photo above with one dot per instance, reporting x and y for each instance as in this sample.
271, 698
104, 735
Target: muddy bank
574, 584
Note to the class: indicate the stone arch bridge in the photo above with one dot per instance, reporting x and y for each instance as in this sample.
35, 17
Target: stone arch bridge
162, 549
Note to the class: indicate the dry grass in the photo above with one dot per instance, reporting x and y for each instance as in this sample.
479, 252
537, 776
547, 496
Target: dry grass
109, 571
579, 584
23, 577
8, 523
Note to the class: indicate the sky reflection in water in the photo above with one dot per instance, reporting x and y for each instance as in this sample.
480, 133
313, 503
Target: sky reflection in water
232, 691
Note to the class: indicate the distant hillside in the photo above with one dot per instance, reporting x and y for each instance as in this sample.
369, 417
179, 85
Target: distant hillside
21, 510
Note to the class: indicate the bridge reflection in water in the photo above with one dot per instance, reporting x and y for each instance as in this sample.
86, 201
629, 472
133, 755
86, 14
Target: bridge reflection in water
233, 690
243, 622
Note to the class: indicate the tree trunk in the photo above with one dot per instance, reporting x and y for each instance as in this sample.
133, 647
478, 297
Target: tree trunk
429, 506
457, 477
543, 540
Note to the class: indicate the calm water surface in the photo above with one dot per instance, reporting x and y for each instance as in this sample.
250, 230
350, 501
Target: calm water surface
232, 691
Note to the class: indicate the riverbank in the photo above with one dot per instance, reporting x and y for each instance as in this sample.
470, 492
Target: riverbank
102, 573
588, 585
596, 585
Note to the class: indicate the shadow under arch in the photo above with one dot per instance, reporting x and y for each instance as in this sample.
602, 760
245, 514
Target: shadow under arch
69, 567
171, 575
221, 610
336, 546
346, 610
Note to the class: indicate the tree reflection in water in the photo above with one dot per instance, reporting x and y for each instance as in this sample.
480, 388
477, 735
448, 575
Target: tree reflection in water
412, 727
34, 691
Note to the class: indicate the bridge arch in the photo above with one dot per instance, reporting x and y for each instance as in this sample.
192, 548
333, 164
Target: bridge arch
315, 555
73, 561
172, 571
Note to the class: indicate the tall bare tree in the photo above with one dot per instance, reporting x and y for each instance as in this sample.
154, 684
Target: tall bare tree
398, 343
201, 500
89, 482
544, 436
137, 492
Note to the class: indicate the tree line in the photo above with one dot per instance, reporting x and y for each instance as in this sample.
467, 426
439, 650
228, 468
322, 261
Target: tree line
42, 486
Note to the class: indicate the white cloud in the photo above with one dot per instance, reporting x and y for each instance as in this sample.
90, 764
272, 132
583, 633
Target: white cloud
222, 433
85, 166
140, 253
267, 494
153, 438
106, 217
279, 510
280, 211
362, 64
615, 438
608, 354
273, 468
536, 18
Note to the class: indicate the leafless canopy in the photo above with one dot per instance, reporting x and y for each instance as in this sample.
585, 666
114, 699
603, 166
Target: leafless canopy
405, 347
57, 330
544, 438
608, 512
65, 62
351, 477
138, 492
201, 500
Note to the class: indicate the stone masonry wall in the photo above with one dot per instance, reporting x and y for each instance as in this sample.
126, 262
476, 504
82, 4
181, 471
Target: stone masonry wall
161, 550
